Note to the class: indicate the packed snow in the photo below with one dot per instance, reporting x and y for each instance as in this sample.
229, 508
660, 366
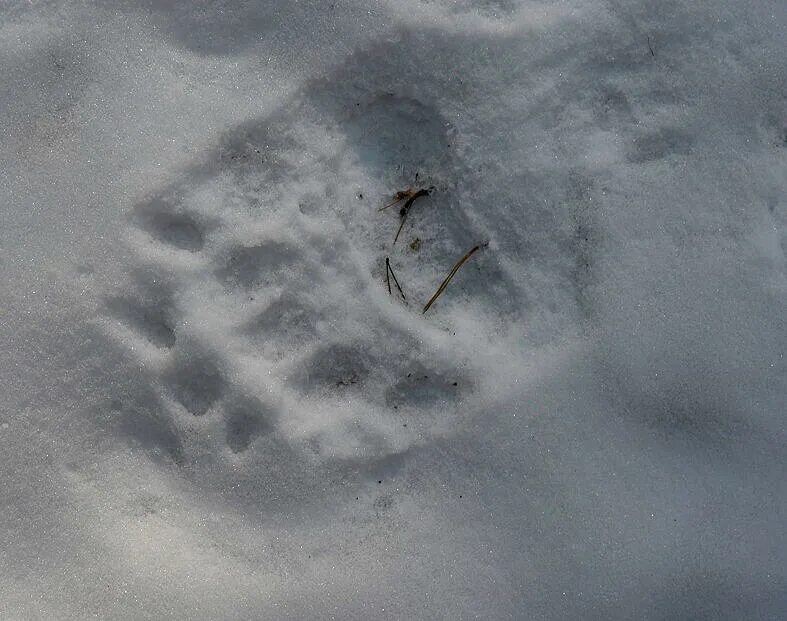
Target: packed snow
217, 402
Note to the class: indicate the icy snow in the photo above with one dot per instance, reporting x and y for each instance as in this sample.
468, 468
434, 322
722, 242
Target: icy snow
212, 408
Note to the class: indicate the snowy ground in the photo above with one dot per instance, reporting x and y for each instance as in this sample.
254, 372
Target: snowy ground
211, 407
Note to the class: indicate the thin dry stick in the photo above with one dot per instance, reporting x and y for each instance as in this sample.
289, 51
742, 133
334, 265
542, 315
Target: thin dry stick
406, 209
398, 197
388, 273
396, 282
448, 278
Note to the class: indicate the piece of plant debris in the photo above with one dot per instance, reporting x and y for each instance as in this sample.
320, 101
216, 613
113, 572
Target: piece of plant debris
415, 245
404, 211
451, 274
388, 273
409, 195
398, 197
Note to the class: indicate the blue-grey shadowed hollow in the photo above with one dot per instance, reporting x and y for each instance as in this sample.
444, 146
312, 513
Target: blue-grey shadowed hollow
213, 407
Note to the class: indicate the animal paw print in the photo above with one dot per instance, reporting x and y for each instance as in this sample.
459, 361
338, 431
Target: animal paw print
246, 420
175, 227
264, 327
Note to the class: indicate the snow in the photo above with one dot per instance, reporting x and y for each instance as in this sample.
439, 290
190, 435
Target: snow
213, 408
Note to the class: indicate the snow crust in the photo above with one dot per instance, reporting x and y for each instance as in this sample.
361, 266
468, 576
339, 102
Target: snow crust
211, 406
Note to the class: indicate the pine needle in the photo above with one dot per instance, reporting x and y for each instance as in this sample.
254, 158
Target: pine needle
396, 282
388, 273
406, 209
448, 278
398, 197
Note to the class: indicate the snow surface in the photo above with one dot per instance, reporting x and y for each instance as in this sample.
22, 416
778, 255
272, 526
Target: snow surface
212, 408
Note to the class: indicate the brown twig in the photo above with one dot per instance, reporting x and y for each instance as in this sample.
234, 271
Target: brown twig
389, 270
451, 274
398, 197
406, 209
